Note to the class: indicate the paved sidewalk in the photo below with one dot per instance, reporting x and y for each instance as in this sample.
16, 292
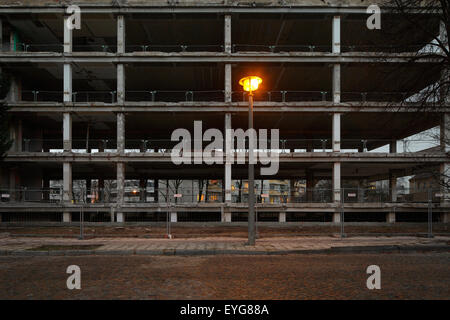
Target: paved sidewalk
216, 245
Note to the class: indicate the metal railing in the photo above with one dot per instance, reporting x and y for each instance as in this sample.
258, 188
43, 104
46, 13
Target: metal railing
286, 146
215, 96
235, 48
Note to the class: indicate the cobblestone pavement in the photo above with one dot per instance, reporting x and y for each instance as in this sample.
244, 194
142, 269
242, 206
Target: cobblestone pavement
315, 276
219, 243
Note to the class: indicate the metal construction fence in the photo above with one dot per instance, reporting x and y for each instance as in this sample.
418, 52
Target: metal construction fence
215, 194
361, 212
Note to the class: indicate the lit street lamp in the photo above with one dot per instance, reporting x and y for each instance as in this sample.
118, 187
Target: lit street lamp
251, 84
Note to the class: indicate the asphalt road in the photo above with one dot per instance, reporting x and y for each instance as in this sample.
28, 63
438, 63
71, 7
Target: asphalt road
339, 276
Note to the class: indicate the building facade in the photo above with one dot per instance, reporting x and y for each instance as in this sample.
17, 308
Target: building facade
93, 108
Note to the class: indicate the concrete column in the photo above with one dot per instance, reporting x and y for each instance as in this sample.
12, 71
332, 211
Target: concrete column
67, 217
14, 93
393, 146
120, 183
14, 184
16, 134
121, 32
227, 37
390, 217
1, 35
68, 36
282, 217
120, 83
392, 187
156, 194
46, 187
336, 38
337, 182
226, 214
120, 132
67, 83
67, 182
445, 74
227, 178
337, 217
336, 83
67, 132
173, 217
143, 190
120, 217
445, 217
309, 185
445, 132
336, 127
228, 84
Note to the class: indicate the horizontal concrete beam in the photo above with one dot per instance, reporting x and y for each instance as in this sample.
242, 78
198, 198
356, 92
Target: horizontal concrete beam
297, 157
212, 57
221, 107
219, 8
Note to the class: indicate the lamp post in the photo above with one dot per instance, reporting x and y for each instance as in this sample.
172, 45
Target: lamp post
251, 84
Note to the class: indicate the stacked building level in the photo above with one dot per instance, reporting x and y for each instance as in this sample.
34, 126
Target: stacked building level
93, 111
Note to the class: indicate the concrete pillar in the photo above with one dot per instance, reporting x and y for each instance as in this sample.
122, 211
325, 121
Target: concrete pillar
16, 134
156, 194
120, 183
14, 184
67, 83
120, 217
120, 83
392, 187
337, 182
46, 187
143, 190
336, 138
336, 38
445, 74
14, 93
173, 217
67, 217
67, 182
390, 217
67, 132
121, 32
282, 217
120, 132
1, 35
445, 132
228, 84
337, 217
309, 185
228, 160
445, 217
226, 215
227, 36
393, 146
68, 36
336, 83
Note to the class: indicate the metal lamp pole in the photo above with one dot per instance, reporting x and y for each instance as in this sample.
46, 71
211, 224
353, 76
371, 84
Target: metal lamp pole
251, 176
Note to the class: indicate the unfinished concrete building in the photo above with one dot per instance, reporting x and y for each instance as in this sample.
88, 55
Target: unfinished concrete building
93, 110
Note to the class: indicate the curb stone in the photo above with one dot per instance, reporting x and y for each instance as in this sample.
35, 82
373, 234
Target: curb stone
192, 252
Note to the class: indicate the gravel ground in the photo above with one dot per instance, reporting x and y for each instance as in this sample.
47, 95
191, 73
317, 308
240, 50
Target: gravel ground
340, 276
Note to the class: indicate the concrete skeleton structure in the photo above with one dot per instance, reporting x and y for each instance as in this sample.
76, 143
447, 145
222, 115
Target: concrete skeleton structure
137, 70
